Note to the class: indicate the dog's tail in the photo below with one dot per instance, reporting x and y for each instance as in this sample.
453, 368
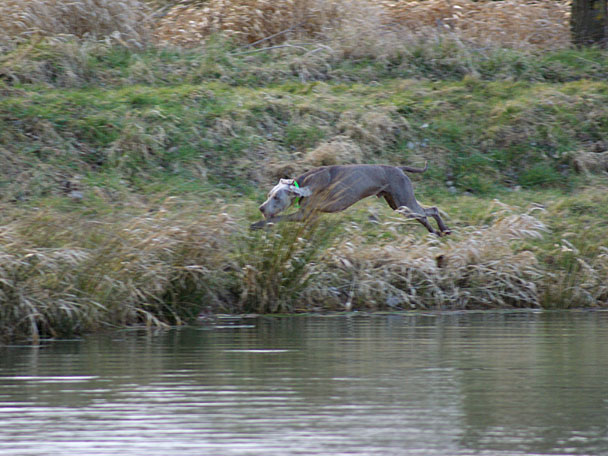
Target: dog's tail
409, 169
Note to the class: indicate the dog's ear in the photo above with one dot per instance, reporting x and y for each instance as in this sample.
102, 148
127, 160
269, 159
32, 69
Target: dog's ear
300, 191
292, 188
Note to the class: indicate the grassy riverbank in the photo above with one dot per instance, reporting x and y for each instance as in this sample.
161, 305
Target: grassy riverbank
130, 175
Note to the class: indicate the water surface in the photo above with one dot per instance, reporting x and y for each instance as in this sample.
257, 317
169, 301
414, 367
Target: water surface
517, 383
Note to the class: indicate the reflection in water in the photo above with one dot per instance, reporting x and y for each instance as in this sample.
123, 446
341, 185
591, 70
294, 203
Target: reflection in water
445, 384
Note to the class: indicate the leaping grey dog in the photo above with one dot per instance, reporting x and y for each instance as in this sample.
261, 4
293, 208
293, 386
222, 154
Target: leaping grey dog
335, 188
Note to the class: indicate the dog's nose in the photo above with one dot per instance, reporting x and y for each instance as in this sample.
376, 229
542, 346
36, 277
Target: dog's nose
262, 209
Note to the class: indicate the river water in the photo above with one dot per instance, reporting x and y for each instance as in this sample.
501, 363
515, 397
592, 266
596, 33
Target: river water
515, 383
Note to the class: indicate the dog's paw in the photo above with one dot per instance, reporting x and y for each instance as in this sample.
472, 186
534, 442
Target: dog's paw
258, 225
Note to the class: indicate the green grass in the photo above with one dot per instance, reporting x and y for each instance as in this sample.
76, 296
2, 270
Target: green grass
172, 150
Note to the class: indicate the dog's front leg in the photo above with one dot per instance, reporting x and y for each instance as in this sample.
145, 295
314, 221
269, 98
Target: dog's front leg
295, 217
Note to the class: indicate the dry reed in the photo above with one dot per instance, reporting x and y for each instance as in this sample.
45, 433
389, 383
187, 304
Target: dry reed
125, 21
510, 23
249, 21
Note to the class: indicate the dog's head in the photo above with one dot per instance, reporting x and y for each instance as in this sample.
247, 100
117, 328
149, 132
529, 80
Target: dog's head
282, 196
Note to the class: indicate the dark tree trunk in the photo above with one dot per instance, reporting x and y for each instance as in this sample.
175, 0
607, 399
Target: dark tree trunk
589, 22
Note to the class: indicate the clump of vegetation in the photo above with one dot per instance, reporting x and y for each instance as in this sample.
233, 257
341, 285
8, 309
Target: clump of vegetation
277, 266
481, 267
62, 274
574, 253
135, 146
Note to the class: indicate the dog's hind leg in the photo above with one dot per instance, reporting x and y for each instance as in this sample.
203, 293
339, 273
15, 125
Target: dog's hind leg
434, 212
401, 197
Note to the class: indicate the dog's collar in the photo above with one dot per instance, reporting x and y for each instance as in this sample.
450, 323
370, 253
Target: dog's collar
297, 203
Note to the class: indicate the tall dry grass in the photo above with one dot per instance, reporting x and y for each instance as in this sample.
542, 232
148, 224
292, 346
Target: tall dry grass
278, 264
126, 21
250, 21
166, 265
510, 23
577, 272
38, 296
480, 268
338, 27
156, 268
